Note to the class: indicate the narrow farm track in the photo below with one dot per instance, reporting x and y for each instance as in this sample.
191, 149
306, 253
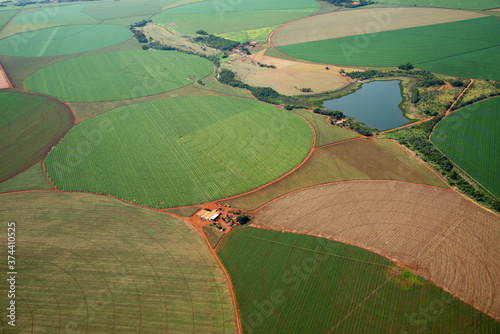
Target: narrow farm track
437, 233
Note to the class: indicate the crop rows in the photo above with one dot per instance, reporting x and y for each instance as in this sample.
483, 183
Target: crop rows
470, 138
297, 283
180, 151
118, 75
415, 45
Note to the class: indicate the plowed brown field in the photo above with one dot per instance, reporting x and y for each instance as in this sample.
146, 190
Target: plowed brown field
363, 21
435, 232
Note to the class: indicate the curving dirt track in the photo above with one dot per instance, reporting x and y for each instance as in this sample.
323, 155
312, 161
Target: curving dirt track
437, 233
363, 21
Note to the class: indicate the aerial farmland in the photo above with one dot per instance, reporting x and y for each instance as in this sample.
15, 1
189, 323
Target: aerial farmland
257, 166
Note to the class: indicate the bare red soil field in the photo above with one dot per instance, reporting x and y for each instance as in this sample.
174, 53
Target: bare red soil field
437, 233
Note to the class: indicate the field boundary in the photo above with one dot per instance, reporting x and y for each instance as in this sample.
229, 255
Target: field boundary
47, 152
6, 24
397, 263
4, 75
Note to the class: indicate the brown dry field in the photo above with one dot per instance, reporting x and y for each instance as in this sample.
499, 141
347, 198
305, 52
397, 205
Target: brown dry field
359, 159
288, 76
363, 21
437, 233
4, 81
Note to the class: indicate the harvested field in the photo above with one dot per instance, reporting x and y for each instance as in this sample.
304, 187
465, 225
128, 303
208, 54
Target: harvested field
118, 75
63, 40
295, 283
358, 159
470, 137
288, 76
4, 80
363, 21
29, 126
437, 233
92, 264
181, 151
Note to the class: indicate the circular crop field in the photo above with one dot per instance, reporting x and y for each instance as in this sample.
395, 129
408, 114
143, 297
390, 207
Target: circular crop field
63, 40
181, 151
445, 41
29, 126
95, 265
119, 75
55, 15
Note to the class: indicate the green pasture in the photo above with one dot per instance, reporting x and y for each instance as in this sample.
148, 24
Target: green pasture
260, 35
217, 6
91, 264
118, 75
180, 151
438, 43
224, 22
470, 137
458, 4
55, 15
5, 16
29, 126
294, 283
63, 40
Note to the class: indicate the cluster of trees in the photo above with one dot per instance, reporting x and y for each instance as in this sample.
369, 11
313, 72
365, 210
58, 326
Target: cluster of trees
349, 3
427, 79
359, 128
139, 35
266, 94
159, 46
306, 90
336, 114
265, 65
140, 24
215, 42
416, 138
406, 67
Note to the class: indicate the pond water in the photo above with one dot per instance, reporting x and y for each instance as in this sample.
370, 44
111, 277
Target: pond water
376, 104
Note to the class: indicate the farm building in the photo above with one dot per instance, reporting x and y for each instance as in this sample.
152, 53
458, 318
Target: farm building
210, 215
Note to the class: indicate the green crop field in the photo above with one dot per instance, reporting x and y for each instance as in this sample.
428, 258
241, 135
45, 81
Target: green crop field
470, 137
217, 7
354, 160
181, 151
63, 40
459, 4
5, 16
293, 283
32, 178
118, 75
438, 43
55, 15
325, 133
91, 264
230, 21
29, 126
105, 10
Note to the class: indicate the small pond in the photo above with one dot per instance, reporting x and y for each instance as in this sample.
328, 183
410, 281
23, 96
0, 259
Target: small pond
376, 104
